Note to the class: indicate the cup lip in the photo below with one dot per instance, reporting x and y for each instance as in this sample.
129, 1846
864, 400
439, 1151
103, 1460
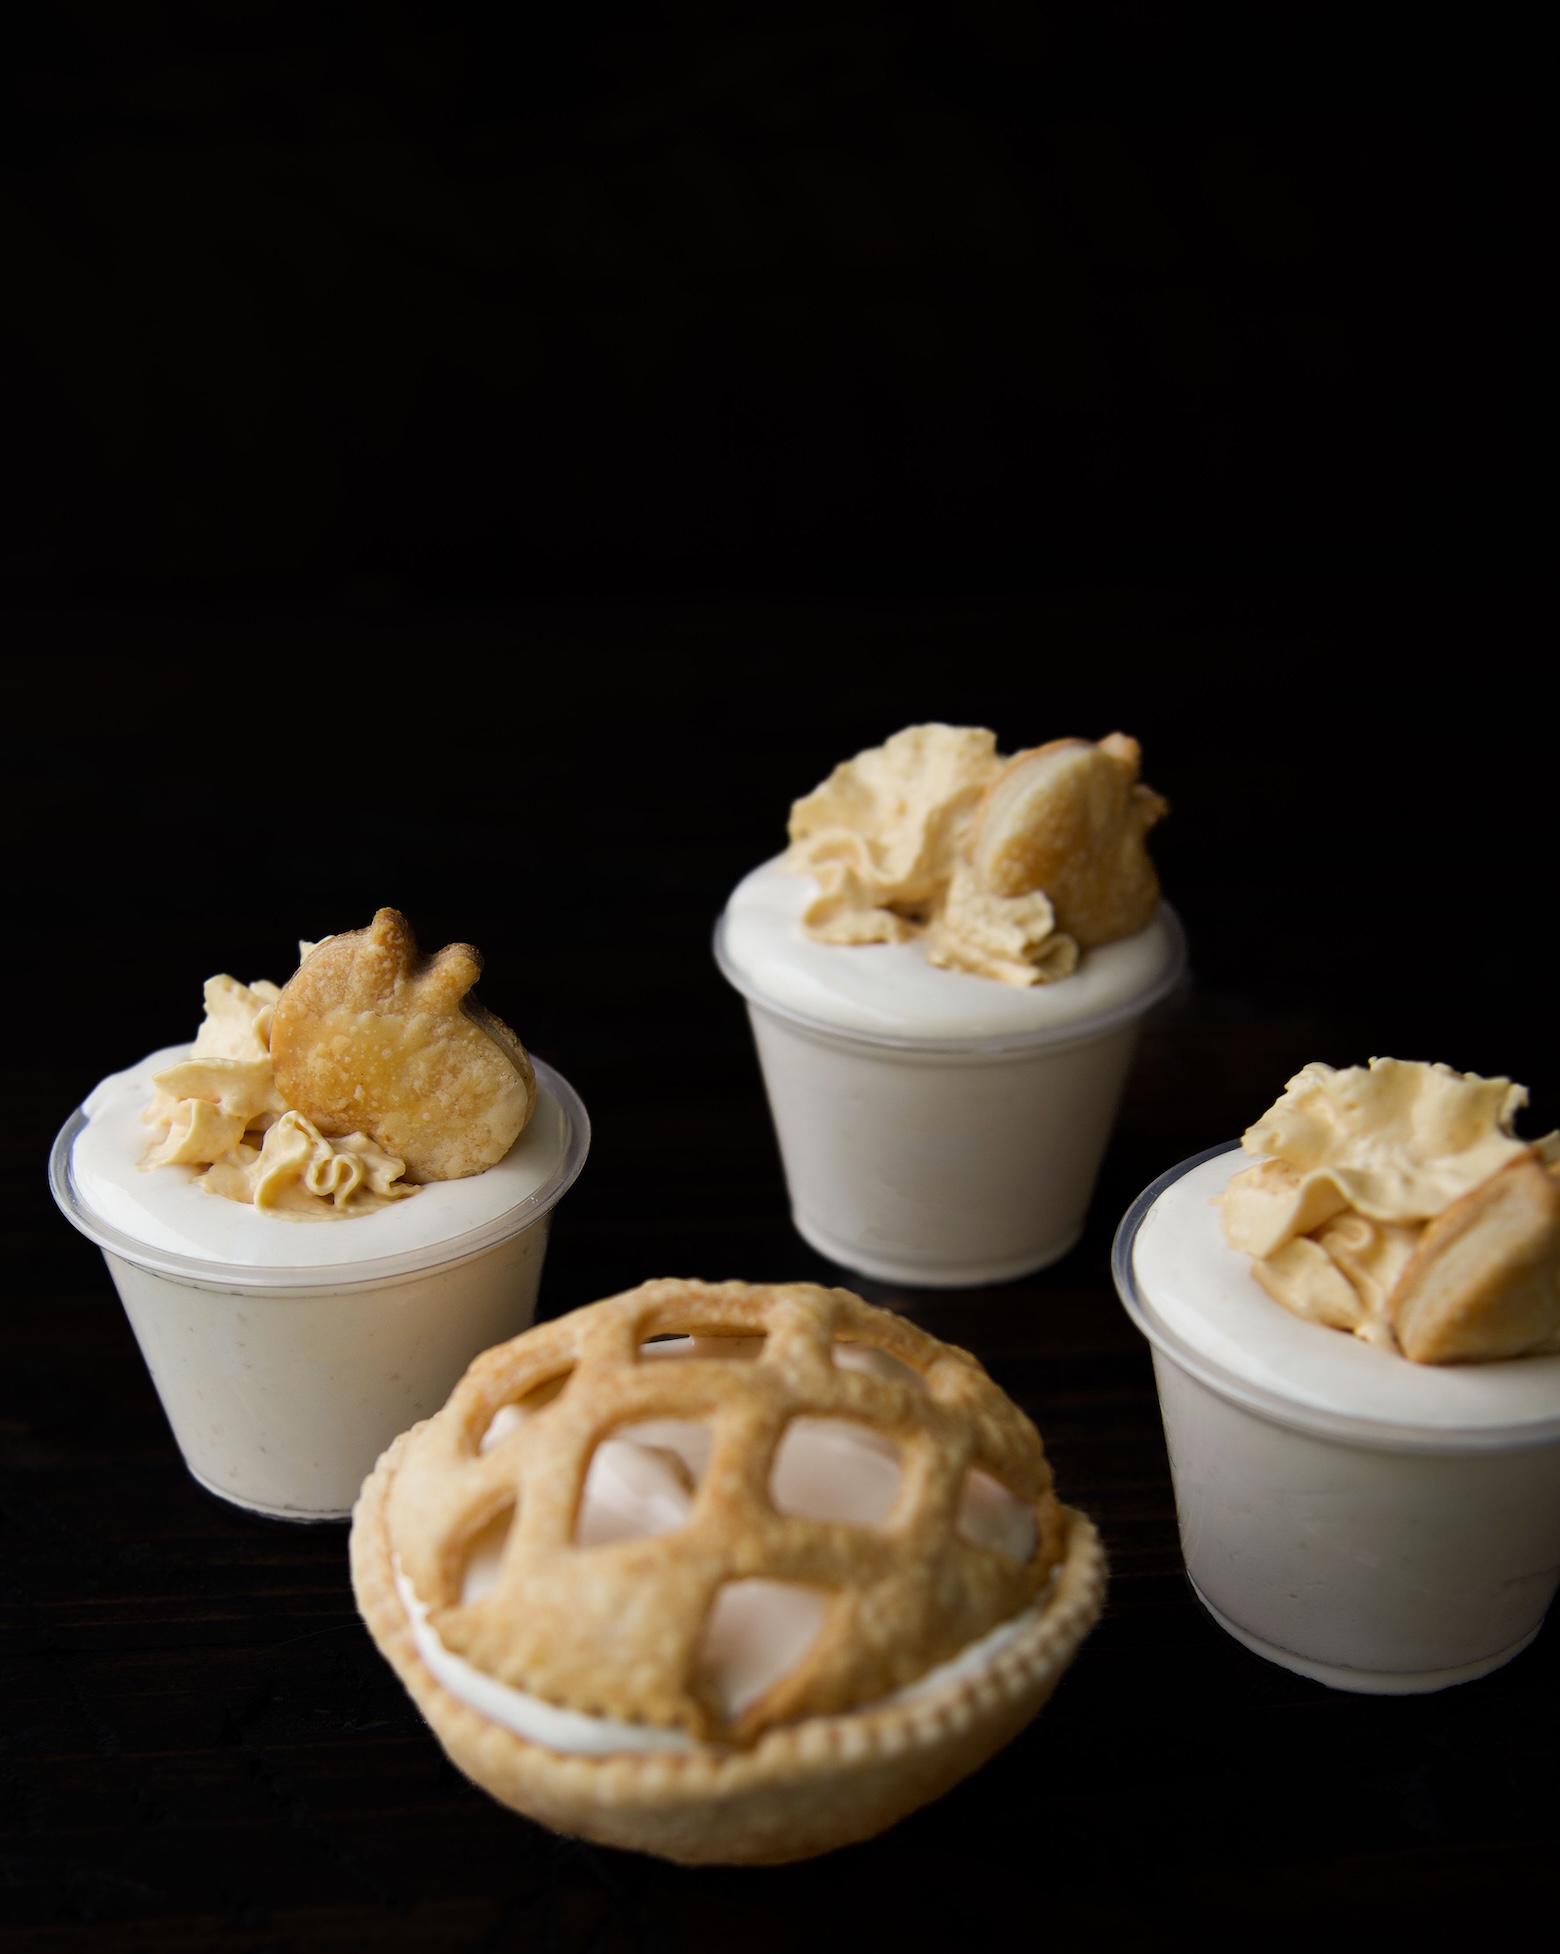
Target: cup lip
1079, 1031
201, 1273
1352, 1428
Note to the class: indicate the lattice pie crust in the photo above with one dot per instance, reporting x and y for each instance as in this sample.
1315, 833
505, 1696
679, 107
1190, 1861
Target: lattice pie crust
613, 1631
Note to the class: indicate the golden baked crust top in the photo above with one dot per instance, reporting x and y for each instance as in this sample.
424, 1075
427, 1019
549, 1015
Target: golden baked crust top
614, 1630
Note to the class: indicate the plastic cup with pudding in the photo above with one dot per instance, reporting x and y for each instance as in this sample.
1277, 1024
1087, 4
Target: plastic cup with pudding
936, 1128
1375, 1524
287, 1354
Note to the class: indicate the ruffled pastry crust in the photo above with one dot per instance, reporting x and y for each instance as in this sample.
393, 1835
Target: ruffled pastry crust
803, 1789
369, 1036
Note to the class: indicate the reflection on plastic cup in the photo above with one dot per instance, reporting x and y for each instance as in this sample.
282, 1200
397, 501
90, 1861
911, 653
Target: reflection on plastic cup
283, 1385
1370, 1554
944, 1162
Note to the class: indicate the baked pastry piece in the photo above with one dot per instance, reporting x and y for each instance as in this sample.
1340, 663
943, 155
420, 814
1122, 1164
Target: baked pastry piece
479, 1551
1484, 1280
1069, 818
1007, 867
1395, 1201
369, 1036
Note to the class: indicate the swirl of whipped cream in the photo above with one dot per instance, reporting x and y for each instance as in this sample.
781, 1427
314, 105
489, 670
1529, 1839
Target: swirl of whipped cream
1370, 1184
219, 1110
1010, 868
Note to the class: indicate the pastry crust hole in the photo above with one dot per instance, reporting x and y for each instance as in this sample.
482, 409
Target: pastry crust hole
876, 1363
741, 1346
641, 1481
756, 1632
991, 1516
835, 1469
510, 1417
484, 1551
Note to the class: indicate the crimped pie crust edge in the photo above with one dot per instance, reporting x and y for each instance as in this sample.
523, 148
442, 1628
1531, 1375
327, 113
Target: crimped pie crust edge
803, 1789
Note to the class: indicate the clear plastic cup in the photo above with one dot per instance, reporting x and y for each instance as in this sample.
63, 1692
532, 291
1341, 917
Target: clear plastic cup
1372, 1553
284, 1384
945, 1162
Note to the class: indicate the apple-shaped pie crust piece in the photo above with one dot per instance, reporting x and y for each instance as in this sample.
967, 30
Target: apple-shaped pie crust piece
371, 1037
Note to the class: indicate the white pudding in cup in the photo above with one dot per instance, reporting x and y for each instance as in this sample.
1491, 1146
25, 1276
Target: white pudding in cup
1378, 1525
945, 975
936, 1128
287, 1353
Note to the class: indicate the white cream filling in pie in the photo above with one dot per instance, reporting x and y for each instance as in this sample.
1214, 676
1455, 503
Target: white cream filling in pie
642, 1481
573, 1732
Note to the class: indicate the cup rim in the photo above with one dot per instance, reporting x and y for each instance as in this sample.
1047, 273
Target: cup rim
198, 1272
1349, 1427
1080, 1031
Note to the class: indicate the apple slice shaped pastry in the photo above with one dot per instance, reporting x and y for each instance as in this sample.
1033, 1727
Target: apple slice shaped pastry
371, 1037
1069, 818
1484, 1281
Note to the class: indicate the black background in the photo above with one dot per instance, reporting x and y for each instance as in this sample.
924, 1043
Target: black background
494, 470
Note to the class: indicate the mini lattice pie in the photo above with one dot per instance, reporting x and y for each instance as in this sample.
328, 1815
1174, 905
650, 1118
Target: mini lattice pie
729, 1573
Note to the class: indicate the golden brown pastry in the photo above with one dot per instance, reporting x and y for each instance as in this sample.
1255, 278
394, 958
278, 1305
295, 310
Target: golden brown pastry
1395, 1201
1008, 868
1484, 1280
1069, 818
219, 1111
371, 1037
937, 1638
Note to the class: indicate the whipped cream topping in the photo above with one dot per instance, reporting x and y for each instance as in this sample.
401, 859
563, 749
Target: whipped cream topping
884, 833
1351, 1168
643, 1480
169, 1210
934, 834
1395, 1141
1191, 1279
219, 1111
895, 990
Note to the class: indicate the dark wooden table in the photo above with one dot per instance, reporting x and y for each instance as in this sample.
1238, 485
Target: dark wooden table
204, 1750
201, 1748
